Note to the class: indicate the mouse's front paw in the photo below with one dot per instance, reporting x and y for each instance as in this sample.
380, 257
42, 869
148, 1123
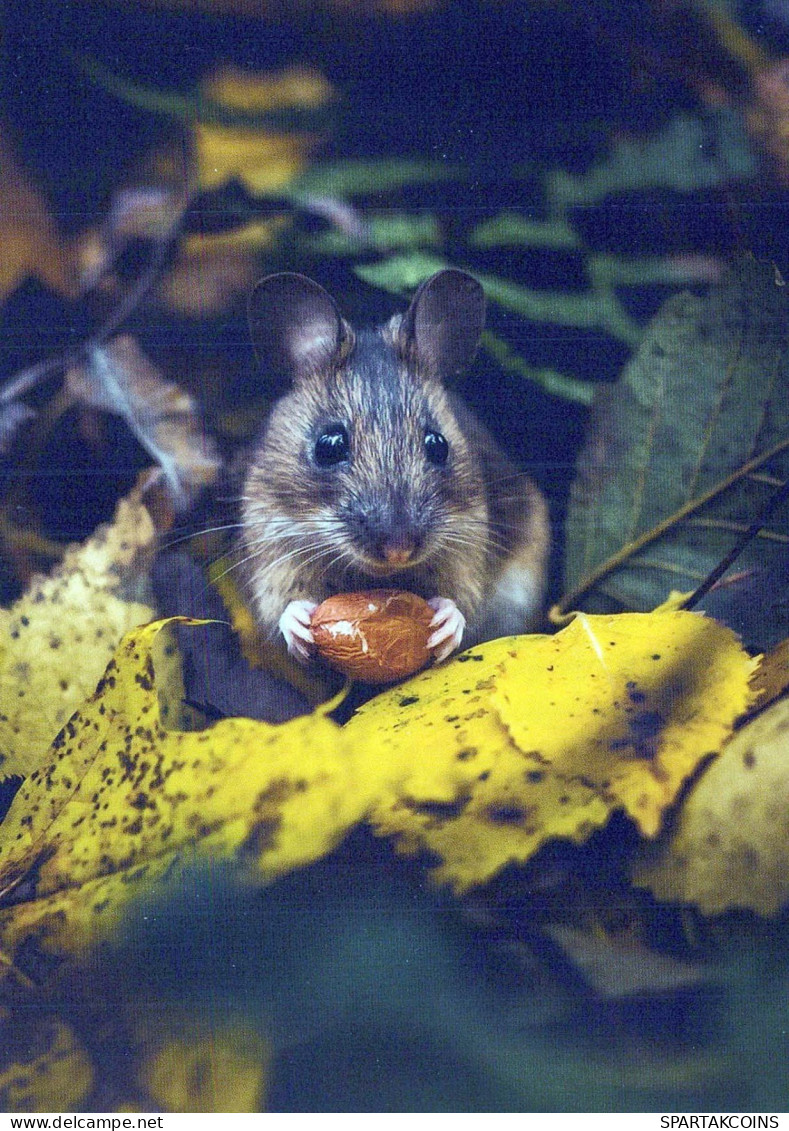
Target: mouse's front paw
449, 624
294, 624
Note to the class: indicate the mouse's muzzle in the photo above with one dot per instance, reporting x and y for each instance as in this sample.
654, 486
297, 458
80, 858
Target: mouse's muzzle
386, 535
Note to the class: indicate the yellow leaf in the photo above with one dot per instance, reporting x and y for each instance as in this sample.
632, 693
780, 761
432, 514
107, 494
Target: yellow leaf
478, 761
211, 271
731, 844
256, 93
120, 799
528, 738
264, 160
43, 1067
76, 918
675, 602
457, 785
631, 703
55, 641
218, 1072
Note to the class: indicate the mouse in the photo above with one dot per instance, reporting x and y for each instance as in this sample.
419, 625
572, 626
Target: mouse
371, 472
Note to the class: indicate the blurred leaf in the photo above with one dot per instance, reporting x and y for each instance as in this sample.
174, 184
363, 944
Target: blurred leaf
593, 309
150, 212
13, 417
169, 1061
767, 115
383, 232
223, 1072
689, 154
401, 273
263, 159
118, 378
366, 177
617, 965
210, 273
32, 245
730, 846
613, 271
43, 1065
685, 449
513, 229
232, 99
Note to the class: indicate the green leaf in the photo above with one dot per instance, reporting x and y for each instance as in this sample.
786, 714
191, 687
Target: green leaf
593, 309
196, 107
685, 450
358, 178
383, 232
691, 153
401, 273
513, 229
555, 383
589, 310
613, 271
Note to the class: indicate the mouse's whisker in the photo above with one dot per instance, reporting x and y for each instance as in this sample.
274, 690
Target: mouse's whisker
467, 541
512, 477
199, 534
309, 554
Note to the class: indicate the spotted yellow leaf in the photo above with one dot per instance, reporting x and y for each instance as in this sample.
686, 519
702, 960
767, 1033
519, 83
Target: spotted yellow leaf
55, 641
478, 762
529, 738
120, 797
458, 785
630, 703
730, 847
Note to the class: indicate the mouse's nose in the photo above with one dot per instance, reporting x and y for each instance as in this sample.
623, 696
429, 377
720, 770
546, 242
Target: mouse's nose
398, 554
388, 541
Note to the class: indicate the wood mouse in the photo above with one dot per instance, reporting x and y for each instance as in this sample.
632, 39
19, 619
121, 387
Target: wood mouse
370, 473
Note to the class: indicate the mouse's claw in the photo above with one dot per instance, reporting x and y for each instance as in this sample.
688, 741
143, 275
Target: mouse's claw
449, 624
294, 624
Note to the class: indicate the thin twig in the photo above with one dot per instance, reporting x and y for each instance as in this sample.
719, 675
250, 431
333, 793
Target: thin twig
28, 378
747, 536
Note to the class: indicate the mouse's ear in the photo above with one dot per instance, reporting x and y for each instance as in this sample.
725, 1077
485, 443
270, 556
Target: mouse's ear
443, 324
296, 329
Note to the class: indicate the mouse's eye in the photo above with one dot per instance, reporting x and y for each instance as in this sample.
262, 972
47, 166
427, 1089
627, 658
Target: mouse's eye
436, 448
332, 446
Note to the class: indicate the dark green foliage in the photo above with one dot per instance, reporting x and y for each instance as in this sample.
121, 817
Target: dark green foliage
705, 394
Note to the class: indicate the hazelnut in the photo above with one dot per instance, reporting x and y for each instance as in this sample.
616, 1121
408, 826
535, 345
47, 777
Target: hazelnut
378, 635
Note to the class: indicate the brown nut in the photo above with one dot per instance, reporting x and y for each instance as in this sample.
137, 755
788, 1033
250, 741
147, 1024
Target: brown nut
378, 635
